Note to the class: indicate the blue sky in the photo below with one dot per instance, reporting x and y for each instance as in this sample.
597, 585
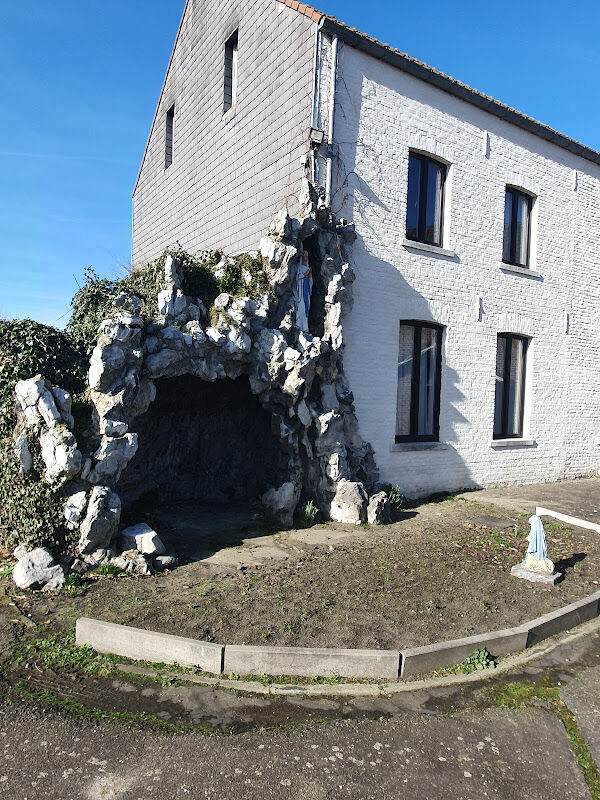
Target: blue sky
79, 83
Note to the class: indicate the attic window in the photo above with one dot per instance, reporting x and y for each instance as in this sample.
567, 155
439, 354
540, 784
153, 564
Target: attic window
231, 70
170, 119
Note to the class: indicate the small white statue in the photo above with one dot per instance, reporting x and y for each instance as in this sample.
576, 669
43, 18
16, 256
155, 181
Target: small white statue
302, 292
536, 558
536, 567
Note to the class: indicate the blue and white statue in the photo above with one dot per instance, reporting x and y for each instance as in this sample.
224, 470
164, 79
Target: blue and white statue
536, 559
302, 292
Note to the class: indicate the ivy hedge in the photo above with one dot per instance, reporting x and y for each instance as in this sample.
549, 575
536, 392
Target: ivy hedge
31, 511
241, 275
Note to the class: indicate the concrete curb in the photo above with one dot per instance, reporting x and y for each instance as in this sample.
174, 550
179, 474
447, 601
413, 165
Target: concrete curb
137, 644
308, 661
141, 645
372, 689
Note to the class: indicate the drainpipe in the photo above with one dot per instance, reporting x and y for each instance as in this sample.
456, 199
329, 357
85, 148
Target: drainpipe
334, 52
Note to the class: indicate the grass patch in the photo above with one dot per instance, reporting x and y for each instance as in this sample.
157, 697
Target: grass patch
58, 651
522, 695
294, 680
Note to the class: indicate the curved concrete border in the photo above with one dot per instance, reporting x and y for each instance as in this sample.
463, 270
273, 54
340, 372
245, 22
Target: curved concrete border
372, 689
138, 644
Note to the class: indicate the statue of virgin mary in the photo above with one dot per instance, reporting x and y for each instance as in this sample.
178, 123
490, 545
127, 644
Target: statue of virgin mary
302, 292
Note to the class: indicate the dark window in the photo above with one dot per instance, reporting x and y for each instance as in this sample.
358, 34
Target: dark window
517, 224
511, 356
231, 69
419, 379
170, 121
425, 206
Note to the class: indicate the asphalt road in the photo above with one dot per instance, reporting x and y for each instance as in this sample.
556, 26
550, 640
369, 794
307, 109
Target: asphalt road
520, 755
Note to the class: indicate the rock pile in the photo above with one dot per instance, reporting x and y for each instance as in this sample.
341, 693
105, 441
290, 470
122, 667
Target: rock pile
297, 376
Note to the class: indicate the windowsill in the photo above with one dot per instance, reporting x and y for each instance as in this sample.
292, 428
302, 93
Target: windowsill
513, 443
414, 447
428, 248
530, 273
229, 114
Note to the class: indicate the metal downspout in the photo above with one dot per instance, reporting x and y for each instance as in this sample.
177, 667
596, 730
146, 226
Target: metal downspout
329, 176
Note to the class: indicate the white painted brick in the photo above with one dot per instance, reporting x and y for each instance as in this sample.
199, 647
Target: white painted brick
381, 112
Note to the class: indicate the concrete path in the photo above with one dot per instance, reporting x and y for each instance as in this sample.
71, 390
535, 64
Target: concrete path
450, 743
582, 696
579, 498
494, 754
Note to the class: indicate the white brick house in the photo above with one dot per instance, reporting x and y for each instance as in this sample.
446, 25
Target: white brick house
442, 262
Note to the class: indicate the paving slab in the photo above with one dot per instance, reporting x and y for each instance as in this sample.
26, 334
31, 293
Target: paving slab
582, 696
497, 754
578, 498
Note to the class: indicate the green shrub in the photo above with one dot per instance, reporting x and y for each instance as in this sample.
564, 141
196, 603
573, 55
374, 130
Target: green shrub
31, 511
28, 348
93, 303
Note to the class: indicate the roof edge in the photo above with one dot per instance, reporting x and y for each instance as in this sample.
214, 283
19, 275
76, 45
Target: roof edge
160, 96
423, 72
302, 8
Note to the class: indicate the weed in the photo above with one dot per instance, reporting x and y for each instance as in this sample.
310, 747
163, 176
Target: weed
307, 515
478, 660
75, 585
395, 498
110, 569
7, 570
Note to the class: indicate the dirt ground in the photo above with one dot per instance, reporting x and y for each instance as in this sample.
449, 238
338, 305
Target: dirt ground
440, 572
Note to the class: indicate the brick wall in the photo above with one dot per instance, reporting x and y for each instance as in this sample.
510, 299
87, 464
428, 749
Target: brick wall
380, 114
231, 173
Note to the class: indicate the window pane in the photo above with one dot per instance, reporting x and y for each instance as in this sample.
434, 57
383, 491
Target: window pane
515, 389
508, 206
433, 212
412, 209
499, 399
427, 381
522, 233
405, 360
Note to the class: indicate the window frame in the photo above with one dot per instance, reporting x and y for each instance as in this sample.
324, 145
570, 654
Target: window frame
414, 436
426, 159
509, 337
169, 135
231, 63
517, 194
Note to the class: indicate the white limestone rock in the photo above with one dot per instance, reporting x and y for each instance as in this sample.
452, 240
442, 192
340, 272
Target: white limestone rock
29, 391
101, 521
349, 504
56, 580
143, 539
165, 562
48, 410
106, 364
60, 454
74, 508
63, 402
21, 450
378, 511
132, 561
36, 568
112, 457
281, 503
